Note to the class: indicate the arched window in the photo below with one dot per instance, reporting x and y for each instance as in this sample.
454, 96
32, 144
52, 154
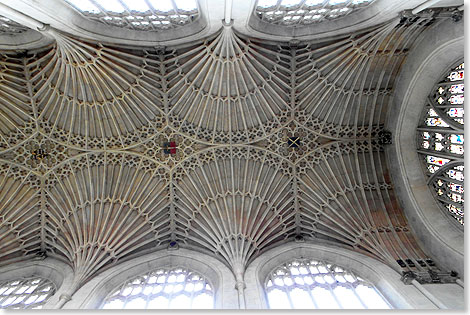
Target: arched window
163, 288
440, 142
30, 293
305, 12
150, 15
305, 284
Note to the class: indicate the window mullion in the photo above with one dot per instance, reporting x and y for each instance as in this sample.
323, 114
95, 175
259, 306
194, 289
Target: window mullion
358, 297
333, 292
442, 154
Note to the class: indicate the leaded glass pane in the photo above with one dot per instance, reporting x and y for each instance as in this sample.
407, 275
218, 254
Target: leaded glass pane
304, 12
176, 288
440, 141
448, 95
30, 293
139, 14
308, 284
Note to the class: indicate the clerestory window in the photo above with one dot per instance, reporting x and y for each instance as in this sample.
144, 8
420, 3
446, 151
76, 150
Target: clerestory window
305, 12
441, 142
310, 284
176, 288
28, 293
144, 15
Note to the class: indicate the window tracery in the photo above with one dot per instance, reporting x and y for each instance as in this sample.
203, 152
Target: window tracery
144, 15
441, 142
31, 293
305, 284
305, 12
161, 289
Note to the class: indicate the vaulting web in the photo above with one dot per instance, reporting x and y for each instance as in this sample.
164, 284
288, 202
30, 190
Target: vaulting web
139, 14
307, 284
304, 12
110, 152
441, 142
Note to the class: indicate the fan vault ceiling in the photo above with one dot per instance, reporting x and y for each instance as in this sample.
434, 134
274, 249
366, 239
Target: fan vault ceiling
229, 145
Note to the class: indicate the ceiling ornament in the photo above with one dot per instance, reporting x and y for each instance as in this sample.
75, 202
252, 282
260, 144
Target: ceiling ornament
38, 154
168, 147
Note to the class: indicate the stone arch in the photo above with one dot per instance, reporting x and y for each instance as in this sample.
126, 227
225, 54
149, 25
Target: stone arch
385, 279
52, 269
440, 47
92, 293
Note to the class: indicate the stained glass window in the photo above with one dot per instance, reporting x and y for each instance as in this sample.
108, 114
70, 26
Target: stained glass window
10, 27
304, 12
311, 284
176, 288
30, 293
441, 142
139, 14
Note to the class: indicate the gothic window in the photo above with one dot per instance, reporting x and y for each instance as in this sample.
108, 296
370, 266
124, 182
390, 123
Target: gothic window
304, 12
30, 293
163, 288
441, 142
139, 14
307, 284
